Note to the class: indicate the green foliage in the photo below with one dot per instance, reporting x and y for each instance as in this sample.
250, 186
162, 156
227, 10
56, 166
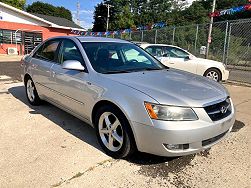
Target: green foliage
99, 17
15, 3
133, 13
50, 10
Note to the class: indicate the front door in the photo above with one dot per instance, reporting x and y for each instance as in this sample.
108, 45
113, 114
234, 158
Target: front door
71, 86
178, 59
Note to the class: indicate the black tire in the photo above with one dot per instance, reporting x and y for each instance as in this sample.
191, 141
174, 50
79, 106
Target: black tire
216, 72
128, 147
36, 100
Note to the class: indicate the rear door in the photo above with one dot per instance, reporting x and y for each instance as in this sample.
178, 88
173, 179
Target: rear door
41, 64
157, 52
71, 86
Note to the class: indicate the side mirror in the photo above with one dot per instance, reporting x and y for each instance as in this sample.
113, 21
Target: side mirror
190, 57
73, 65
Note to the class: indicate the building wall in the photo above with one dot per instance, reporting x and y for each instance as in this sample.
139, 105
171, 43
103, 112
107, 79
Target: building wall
10, 16
47, 32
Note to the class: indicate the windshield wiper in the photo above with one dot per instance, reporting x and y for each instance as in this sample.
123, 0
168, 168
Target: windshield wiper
150, 69
117, 72
133, 70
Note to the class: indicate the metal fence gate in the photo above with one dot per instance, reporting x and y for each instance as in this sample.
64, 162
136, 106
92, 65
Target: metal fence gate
31, 40
231, 43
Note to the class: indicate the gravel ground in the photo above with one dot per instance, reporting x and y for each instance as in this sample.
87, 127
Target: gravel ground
46, 147
11, 69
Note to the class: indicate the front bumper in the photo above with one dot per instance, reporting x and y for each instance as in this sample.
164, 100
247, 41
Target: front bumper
197, 135
225, 75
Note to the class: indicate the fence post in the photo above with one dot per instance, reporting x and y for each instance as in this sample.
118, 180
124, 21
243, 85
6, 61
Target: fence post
228, 44
173, 35
155, 38
225, 44
142, 36
196, 38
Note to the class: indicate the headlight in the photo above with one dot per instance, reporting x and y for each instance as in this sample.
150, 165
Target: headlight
170, 113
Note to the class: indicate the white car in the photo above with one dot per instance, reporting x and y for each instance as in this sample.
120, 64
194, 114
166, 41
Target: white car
178, 58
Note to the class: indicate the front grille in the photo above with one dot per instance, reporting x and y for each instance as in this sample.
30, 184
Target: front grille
212, 140
220, 110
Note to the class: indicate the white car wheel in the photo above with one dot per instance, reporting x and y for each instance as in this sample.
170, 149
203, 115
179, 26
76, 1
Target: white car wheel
213, 74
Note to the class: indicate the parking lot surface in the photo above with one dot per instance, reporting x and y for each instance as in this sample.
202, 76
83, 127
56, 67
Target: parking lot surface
44, 146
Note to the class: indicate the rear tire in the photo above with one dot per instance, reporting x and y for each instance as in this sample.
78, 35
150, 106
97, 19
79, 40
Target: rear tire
31, 92
114, 133
213, 74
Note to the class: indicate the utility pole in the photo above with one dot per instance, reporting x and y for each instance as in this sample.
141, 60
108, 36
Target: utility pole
78, 15
108, 15
209, 39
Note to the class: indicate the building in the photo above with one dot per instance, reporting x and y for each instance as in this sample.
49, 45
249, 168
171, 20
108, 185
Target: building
20, 32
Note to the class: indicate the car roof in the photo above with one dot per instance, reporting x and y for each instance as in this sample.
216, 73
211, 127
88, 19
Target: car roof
100, 39
146, 45
91, 39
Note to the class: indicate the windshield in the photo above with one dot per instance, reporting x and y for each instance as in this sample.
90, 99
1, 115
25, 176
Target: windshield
111, 57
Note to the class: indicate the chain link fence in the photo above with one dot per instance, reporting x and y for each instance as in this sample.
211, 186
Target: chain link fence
230, 43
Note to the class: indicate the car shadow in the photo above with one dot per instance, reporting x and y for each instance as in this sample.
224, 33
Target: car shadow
66, 121
86, 133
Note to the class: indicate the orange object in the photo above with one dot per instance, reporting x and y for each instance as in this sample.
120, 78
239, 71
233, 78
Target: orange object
150, 110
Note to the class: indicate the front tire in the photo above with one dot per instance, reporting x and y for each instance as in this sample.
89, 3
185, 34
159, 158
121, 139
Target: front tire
213, 74
31, 92
114, 133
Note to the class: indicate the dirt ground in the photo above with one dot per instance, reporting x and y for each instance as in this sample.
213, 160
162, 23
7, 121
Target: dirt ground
44, 146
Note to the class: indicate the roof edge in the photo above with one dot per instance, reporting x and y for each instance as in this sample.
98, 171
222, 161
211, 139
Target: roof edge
50, 24
25, 13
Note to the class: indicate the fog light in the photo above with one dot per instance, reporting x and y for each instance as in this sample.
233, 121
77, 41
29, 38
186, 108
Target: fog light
177, 146
173, 146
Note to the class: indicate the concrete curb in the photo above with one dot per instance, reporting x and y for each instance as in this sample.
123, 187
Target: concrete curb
10, 58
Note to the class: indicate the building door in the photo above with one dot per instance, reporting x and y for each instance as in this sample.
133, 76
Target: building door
31, 40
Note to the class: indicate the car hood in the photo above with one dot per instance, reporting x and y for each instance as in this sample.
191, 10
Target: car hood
173, 87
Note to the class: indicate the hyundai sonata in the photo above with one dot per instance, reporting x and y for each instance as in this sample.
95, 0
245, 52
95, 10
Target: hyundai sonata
131, 99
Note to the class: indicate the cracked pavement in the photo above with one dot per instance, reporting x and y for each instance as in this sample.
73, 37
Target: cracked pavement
44, 146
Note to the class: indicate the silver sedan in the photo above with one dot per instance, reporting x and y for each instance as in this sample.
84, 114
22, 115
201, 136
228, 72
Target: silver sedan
131, 99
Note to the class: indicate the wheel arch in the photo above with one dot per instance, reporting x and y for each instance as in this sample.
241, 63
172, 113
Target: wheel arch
104, 102
26, 77
212, 68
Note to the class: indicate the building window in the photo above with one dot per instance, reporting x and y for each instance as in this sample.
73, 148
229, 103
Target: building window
1, 36
9, 37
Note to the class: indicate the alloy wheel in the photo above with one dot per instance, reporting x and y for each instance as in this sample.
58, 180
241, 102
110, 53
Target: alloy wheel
110, 131
30, 90
213, 75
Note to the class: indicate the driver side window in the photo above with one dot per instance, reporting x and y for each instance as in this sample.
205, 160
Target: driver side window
69, 51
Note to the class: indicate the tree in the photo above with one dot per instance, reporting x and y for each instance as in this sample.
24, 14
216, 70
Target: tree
15, 3
179, 5
134, 13
50, 10
99, 16
120, 16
